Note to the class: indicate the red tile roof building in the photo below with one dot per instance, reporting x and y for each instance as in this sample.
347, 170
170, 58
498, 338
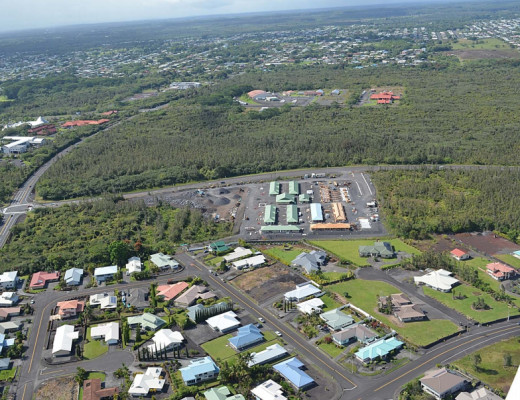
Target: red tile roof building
39, 279
385, 97
42, 130
169, 292
459, 254
253, 93
92, 390
70, 308
500, 271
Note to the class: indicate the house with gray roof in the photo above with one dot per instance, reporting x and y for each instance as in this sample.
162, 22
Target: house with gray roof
311, 262
138, 298
378, 249
164, 261
148, 321
442, 382
337, 319
355, 332
73, 276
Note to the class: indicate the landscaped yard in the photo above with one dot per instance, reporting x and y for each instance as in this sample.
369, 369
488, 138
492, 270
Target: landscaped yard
498, 309
492, 370
479, 264
331, 349
92, 375
330, 304
349, 249
7, 374
364, 294
509, 259
94, 348
284, 254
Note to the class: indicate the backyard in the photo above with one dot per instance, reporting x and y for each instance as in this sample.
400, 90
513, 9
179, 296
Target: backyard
364, 294
94, 348
284, 254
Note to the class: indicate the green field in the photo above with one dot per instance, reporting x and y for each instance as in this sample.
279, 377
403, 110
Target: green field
94, 348
509, 259
331, 349
492, 370
364, 294
481, 44
349, 249
92, 375
479, 264
498, 309
330, 304
285, 255
7, 374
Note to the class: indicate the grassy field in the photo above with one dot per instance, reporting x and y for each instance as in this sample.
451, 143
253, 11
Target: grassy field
248, 99
492, 370
479, 264
94, 348
285, 255
330, 304
481, 44
92, 375
509, 259
7, 374
498, 309
349, 249
364, 294
331, 349
215, 261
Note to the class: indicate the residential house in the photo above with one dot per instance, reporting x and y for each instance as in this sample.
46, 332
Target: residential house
133, 265
303, 291
224, 322
336, 319
500, 272
169, 292
291, 370
311, 262
219, 247
190, 296
355, 332
5, 342
151, 380
10, 326
70, 308
442, 382
378, 249
199, 370
7, 312
271, 353
92, 390
311, 306
40, 279
109, 332
237, 254
251, 262
166, 339
403, 308
8, 299
103, 274
73, 276
9, 280
138, 298
247, 336
378, 350
4, 363
148, 321
164, 262
459, 255
478, 394
63, 340
214, 309
269, 390
221, 393
440, 280
104, 301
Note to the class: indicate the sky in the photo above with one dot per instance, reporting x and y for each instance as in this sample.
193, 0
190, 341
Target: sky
29, 14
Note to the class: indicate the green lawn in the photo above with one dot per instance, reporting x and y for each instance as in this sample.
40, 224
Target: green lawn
331, 349
492, 370
498, 309
284, 255
330, 304
219, 348
364, 294
215, 261
92, 375
481, 44
509, 259
94, 348
479, 264
349, 249
7, 375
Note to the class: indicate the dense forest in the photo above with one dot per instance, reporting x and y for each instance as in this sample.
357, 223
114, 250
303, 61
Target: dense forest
79, 235
458, 114
417, 203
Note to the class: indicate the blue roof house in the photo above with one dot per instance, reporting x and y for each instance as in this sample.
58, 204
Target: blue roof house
291, 370
246, 336
5, 342
103, 274
379, 349
202, 369
73, 276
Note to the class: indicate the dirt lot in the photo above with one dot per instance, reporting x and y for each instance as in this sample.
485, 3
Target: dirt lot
58, 389
268, 282
484, 54
487, 243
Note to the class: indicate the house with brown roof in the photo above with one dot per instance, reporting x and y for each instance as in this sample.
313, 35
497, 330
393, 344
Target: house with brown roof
70, 308
500, 271
92, 390
40, 279
356, 332
403, 308
190, 296
459, 254
442, 382
5, 313
169, 292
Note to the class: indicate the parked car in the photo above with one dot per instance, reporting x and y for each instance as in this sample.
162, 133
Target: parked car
261, 320
277, 333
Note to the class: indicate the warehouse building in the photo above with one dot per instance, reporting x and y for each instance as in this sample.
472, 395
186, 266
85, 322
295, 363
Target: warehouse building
270, 215
274, 188
294, 188
316, 213
292, 214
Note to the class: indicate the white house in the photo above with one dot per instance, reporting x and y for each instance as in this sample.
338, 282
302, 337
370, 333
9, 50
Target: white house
166, 339
133, 265
63, 339
273, 352
9, 280
302, 291
143, 383
238, 253
251, 262
224, 322
269, 390
108, 331
103, 300
440, 280
8, 299
103, 274
314, 305
73, 276
164, 261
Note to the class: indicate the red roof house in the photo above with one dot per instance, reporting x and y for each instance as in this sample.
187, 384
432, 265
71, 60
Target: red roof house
70, 308
39, 279
171, 291
500, 271
46, 129
459, 254
92, 390
253, 93
385, 97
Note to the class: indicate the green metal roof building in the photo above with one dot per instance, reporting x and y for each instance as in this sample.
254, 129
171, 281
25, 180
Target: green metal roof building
274, 188
280, 228
285, 198
294, 188
219, 246
304, 198
292, 214
270, 214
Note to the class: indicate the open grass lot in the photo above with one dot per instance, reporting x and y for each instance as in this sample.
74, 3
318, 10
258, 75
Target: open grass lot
364, 294
349, 249
92, 375
331, 349
498, 309
509, 259
330, 304
492, 370
7, 374
94, 348
481, 44
285, 255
